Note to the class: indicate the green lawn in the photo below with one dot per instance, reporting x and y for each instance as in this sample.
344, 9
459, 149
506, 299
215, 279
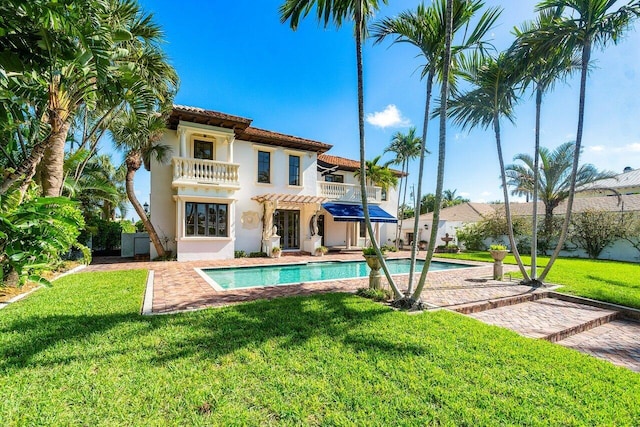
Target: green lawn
610, 281
80, 354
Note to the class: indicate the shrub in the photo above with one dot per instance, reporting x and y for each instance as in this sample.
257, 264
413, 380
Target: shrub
388, 248
472, 236
375, 294
257, 255
498, 247
594, 230
447, 249
36, 234
239, 254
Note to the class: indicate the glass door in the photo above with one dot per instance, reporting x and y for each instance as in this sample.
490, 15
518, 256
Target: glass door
288, 223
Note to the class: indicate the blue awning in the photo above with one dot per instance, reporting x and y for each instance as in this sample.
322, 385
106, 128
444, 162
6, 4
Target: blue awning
354, 213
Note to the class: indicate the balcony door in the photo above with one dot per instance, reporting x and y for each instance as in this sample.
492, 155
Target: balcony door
288, 223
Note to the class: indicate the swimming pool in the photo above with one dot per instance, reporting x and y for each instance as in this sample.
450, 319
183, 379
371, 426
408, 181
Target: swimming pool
226, 278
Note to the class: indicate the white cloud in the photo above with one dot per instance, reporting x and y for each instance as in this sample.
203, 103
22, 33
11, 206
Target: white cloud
389, 117
635, 147
485, 193
465, 194
629, 148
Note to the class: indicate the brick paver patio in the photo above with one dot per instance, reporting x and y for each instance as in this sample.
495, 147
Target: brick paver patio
178, 287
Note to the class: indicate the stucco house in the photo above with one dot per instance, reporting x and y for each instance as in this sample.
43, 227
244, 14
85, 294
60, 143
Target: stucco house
234, 187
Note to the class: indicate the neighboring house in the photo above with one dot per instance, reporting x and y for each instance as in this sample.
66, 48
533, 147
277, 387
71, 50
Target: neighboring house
628, 182
451, 218
454, 217
232, 187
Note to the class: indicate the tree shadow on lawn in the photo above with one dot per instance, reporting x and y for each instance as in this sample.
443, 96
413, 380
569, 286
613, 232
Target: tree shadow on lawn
209, 334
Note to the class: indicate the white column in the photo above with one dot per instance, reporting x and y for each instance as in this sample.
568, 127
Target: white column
182, 134
347, 227
230, 150
377, 231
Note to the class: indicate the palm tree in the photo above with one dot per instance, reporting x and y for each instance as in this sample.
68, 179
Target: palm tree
450, 198
494, 95
553, 178
581, 25
99, 56
426, 28
542, 72
138, 136
406, 147
338, 11
379, 175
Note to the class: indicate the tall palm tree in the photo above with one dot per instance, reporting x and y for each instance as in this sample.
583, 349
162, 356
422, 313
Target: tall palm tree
336, 12
426, 28
138, 136
581, 25
492, 98
406, 147
553, 178
541, 72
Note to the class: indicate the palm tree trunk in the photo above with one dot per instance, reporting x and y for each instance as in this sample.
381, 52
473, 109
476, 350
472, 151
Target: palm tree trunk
442, 145
133, 162
359, 23
507, 208
26, 170
405, 168
53, 164
416, 216
536, 177
586, 56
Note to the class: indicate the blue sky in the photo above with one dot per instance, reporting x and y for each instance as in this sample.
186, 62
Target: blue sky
236, 57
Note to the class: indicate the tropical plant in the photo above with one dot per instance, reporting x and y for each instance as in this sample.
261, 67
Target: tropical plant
579, 26
493, 96
428, 29
100, 57
338, 11
554, 180
379, 175
406, 148
138, 135
35, 234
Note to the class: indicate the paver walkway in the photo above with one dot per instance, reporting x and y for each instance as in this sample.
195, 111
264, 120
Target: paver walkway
178, 287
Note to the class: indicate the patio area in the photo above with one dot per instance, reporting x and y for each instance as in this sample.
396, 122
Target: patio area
178, 287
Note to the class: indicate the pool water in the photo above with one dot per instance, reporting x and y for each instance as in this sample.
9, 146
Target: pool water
278, 275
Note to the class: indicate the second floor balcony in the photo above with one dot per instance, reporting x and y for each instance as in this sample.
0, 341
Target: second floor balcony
348, 192
199, 172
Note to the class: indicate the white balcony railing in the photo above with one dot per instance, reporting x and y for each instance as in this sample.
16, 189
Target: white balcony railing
198, 171
348, 192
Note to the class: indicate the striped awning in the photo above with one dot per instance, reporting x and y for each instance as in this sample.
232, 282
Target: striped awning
290, 199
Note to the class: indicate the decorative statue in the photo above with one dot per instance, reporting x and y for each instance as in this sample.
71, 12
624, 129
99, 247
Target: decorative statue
314, 224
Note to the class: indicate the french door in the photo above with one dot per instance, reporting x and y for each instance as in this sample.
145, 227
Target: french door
288, 223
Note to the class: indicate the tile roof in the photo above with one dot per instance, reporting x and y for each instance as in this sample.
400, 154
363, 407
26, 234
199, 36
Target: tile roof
274, 138
472, 212
242, 128
346, 164
208, 117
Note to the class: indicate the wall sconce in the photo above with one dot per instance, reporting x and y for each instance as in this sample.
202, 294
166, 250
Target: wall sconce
145, 206
426, 226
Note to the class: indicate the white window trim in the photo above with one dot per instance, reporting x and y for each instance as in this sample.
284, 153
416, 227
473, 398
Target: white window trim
300, 168
271, 151
202, 137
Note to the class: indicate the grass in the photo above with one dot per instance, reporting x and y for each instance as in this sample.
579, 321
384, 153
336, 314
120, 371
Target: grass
80, 354
610, 281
